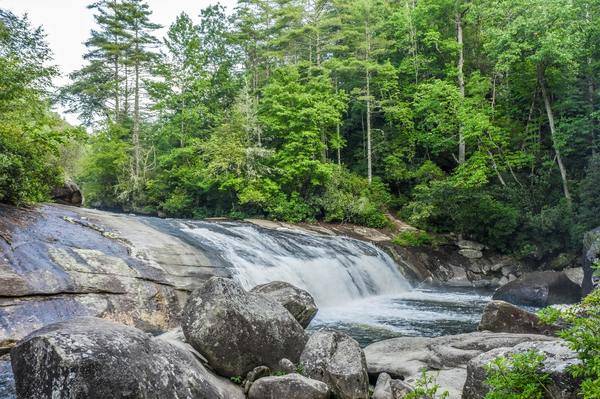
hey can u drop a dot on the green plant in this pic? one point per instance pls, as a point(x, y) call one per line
point(583, 336)
point(426, 387)
point(300, 369)
point(236, 379)
point(416, 238)
point(517, 377)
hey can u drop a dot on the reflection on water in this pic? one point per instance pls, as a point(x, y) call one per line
point(419, 312)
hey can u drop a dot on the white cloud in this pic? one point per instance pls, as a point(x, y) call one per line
point(68, 24)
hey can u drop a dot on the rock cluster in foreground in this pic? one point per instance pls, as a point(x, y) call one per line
point(252, 338)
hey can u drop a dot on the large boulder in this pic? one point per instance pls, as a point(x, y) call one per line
point(290, 386)
point(336, 359)
point(7, 379)
point(443, 358)
point(539, 289)
point(238, 330)
point(297, 301)
point(557, 359)
point(591, 254)
point(500, 316)
point(68, 194)
point(89, 358)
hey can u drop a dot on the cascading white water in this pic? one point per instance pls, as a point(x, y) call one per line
point(335, 270)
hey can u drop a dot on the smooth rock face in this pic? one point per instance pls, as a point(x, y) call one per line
point(62, 262)
point(337, 360)
point(297, 301)
point(470, 253)
point(558, 357)
point(238, 330)
point(91, 358)
point(539, 289)
point(500, 316)
point(290, 386)
point(444, 358)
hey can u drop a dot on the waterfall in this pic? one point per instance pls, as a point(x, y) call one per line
point(333, 269)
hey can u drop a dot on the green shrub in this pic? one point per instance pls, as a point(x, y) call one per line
point(517, 377)
point(416, 238)
point(426, 387)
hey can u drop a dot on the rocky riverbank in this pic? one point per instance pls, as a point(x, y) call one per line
point(59, 264)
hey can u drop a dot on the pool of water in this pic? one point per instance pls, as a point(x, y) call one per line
point(418, 312)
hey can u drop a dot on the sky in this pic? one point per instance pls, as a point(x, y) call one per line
point(67, 24)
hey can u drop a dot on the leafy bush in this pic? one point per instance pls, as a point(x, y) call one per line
point(583, 336)
point(517, 377)
point(413, 239)
point(426, 387)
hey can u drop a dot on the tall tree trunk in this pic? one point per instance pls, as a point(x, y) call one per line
point(136, 115)
point(117, 94)
point(591, 94)
point(561, 166)
point(461, 84)
point(369, 166)
point(339, 147)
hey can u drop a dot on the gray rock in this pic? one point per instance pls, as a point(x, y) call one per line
point(503, 281)
point(591, 254)
point(444, 358)
point(297, 301)
point(471, 253)
point(257, 373)
point(575, 274)
point(93, 358)
point(290, 386)
point(7, 379)
point(337, 360)
point(388, 388)
point(238, 330)
point(68, 194)
point(500, 316)
point(558, 358)
point(466, 244)
point(539, 289)
point(286, 366)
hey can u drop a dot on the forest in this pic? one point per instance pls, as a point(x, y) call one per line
point(477, 117)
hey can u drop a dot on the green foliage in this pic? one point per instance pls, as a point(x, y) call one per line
point(517, 377)
point(583, 336)
point(236, 379)
point(416, 238)
point(31, 136)
point(426, 387)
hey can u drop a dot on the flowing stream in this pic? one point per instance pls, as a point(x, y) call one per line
point(357, 287)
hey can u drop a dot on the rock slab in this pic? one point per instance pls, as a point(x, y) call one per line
point(92, 358)
point(290, 386)
point(539, 289)
point(297, 301)
point(337, 360)
point(236, 330)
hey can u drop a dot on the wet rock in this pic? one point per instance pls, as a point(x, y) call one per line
point(388, 388)
point(444, 358)
point(500, 316)
point(93, 358)
point(68, 194)
point(557, 359)
point(337, 360)
point(7, 379)
point(539, 289)
point(297, 301)
point(290, 386)
point(238, 330)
